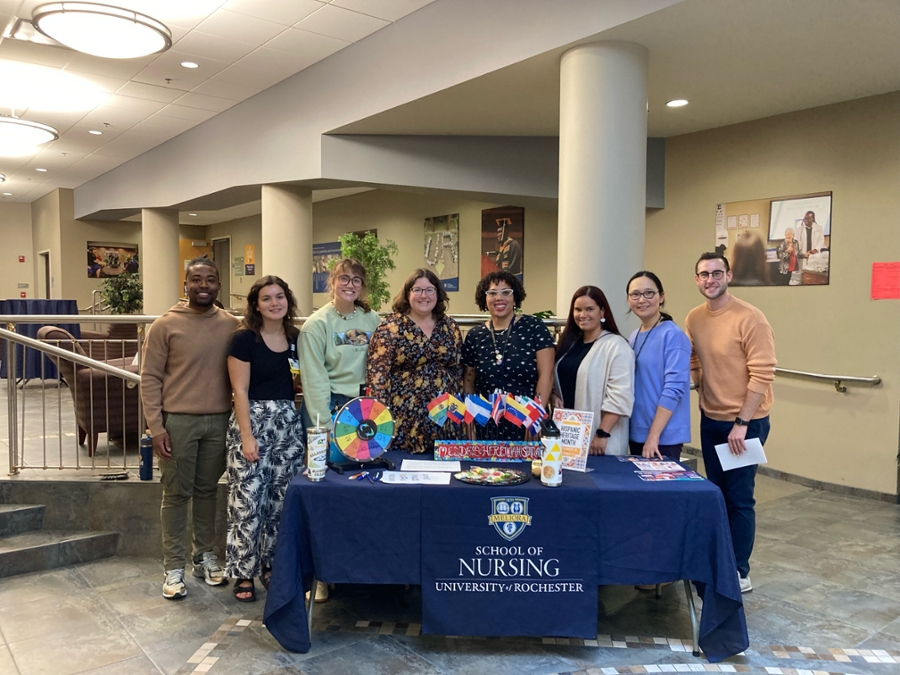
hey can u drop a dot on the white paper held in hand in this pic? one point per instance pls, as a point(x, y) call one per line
point(754, 454)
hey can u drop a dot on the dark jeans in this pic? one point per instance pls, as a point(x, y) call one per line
point(667, 451)
point(736, 485)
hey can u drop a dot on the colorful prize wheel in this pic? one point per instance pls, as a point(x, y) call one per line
point(363, 429)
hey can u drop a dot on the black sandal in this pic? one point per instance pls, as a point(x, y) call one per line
point(244, 586)
point(266, 577)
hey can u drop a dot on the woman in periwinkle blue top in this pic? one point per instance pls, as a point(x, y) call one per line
point(661, 419)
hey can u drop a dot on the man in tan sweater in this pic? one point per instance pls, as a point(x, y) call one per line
point(733, 364)
point(187, 400)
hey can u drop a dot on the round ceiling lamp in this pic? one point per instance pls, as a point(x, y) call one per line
point(17, 135)
point(102, 30)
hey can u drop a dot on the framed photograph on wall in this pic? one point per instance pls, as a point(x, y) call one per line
point(442, 249)
point(111, 260)
point(503, 240)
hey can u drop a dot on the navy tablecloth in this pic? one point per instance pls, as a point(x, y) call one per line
point(354, 532)
point(28, 361)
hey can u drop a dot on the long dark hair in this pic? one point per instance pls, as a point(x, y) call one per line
point(659, 288)
point(253, 319)
point(748, 261)
point(572, 333)
point(401, 300)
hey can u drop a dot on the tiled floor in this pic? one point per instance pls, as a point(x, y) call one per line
point(826, 599)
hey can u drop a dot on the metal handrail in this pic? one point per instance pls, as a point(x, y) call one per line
point(837, 380)
point(131, 379)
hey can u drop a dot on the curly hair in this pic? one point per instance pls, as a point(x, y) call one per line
point(353, 266)
point(401, 300)
point(253, 319)
point(511, 280)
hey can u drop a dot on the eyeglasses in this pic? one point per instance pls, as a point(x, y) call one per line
point(648, 295)
point(503, 293)
point(429, 291)
point(716, 274)
point(346, 280)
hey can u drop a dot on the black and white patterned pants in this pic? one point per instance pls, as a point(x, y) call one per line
point(256, 489)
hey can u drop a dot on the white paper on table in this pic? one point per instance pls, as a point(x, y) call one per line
point(415, 478)
point(754, 454)
point(430, 465)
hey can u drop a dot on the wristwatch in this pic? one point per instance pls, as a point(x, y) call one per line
point(601, 434)
point(739, 422)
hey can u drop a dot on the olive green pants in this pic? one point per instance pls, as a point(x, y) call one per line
point(190, 479)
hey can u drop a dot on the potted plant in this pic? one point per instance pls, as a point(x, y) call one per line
point(377, 260)
point(124, 293)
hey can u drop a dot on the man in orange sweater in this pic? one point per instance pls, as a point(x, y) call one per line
point(733, 364)
point(187, 399)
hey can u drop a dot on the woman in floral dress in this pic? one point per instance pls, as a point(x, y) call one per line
point(414, 355)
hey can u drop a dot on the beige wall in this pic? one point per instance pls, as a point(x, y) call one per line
point(15, 233)
point(242, 231)
point(400, 217)
point(45, 234)
point(852, 149)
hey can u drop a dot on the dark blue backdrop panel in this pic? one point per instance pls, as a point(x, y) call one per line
point(28, 361)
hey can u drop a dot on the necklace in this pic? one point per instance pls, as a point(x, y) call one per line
point(644, 343)
point(345, 318)
point(507, 332)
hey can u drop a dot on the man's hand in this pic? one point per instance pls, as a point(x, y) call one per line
point(162, 446)
point(736, 440)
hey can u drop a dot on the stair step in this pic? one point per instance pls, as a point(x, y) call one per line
point(19, 518)
point(49, 549)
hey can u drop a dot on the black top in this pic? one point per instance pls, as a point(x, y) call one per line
point(270, 372)
point(567, 371)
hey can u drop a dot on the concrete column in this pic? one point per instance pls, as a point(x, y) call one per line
point(602, 170)
point(287, 239)
point(162, 272)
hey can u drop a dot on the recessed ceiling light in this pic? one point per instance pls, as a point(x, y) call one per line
point(192, 214)
point(189, 64)
point(95, 132)
point(7, 194)
point(677, 103)
point(102, 30)
point(41, 170)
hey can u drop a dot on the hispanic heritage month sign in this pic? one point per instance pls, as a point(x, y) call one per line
point(511, 561)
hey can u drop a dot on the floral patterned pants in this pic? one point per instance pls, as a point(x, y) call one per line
point(256, 489)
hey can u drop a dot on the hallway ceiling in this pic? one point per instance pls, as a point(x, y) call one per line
point(241, 47)
point(733, 60)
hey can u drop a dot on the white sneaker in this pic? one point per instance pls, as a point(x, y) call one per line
point(173, 586)
point(321, 592)
point(209, 570)
point(745, 583)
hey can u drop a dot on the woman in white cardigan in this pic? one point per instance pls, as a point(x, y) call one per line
point(595, 370)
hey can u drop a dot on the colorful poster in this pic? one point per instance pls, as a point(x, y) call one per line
point(783, 241)
point(323, 255)
point(503, 240)
point(442, 249)
point(575, 430)
point(111, 260)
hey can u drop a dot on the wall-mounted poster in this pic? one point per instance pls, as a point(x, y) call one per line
point(442, 249)
point(111, 260)
point(786, 241)
point(502, 239)
point(323, 255)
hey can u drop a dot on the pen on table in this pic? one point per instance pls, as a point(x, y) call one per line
point(358, 476)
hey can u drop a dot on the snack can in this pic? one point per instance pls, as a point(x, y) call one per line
point(551, 455)
point(316, 453)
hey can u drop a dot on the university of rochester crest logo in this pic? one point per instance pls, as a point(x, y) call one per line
point(509, 516)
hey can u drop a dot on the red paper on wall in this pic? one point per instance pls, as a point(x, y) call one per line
point(886, 281)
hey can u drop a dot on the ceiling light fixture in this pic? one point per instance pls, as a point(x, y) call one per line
point(95, 132)
point(189, 64)
point(677, 103)
point(192, 214)
point(102, 30)
point(41, 170)
point(7, 194)
point(18, 135)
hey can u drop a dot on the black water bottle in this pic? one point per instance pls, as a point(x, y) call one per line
point(146, 470)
